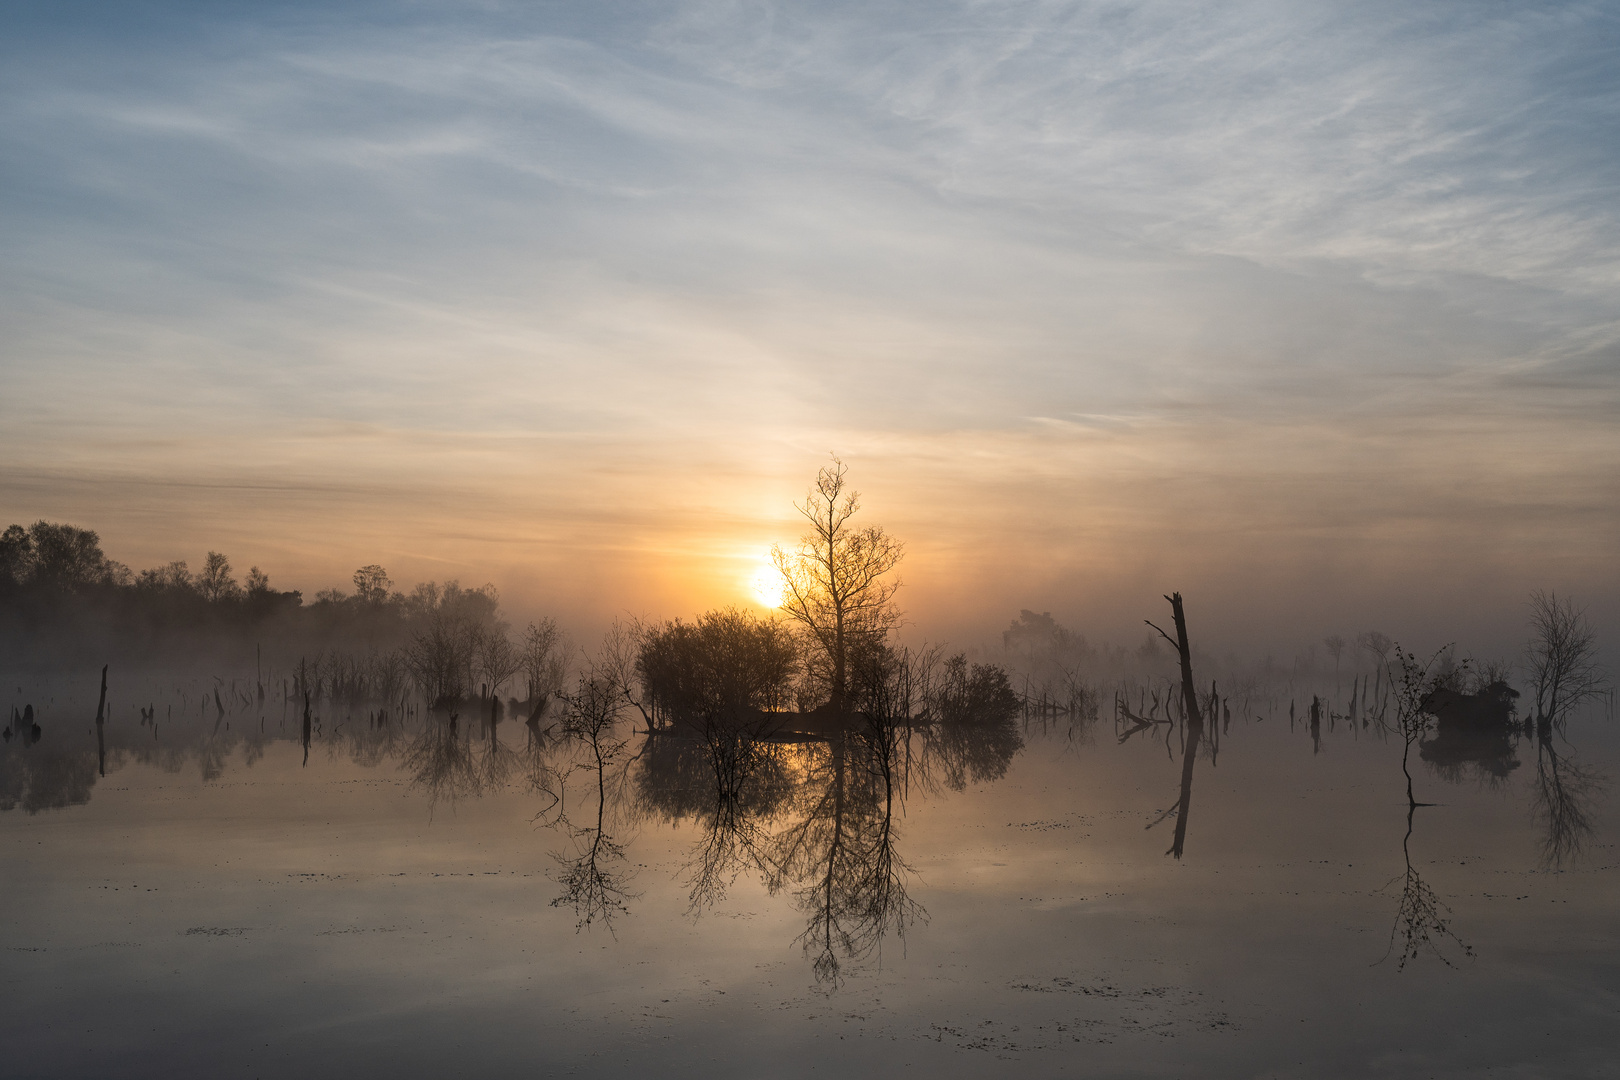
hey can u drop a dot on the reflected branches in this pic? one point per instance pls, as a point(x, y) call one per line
point(749, 783)
point(839, 858)
point(440, 760)
point(595, 878)
point(1564, 797)
point(1422, 921)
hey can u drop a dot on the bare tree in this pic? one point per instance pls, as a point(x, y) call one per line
point(1335, 647)
point(371, 584)
point(1562, 657)
point(541, 656)
point(1378, 644)
point(1422, 921)
point(834, 580)
point(1491, 672)
point(440, 658)
point(497, 660)
point(1412, 682)
point(215, 582)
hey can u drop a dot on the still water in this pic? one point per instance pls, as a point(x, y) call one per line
point(410, 896)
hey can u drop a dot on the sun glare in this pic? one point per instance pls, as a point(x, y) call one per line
point(767, 585)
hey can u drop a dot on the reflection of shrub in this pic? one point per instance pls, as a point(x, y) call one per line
point(45, 776)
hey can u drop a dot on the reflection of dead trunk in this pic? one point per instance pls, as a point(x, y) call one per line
point(306, 727)
point(1194, 719)
point(101, 723)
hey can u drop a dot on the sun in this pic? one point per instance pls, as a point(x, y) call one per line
point(767, 585)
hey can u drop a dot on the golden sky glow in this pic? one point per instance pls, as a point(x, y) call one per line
point(1310, 319)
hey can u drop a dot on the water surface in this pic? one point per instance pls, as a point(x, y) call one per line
point(984, 898)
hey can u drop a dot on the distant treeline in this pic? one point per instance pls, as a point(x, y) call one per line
point(62, 600)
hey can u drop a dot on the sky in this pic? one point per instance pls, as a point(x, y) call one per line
point(1310, 311)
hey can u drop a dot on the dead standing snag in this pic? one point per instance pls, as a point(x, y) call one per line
point(1195, 719)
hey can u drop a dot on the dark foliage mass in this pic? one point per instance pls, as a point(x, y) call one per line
point(63, 601)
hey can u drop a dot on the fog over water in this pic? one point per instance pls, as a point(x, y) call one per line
point(408, 892)
point(407, 835)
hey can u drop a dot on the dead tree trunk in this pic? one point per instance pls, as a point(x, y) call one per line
point(1194, 718)
point(101, 724)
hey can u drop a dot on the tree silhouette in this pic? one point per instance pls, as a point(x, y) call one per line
point(214, 582)
point(1562, 657)
point(834, 580)
point(1412, 681)
point(371, 584)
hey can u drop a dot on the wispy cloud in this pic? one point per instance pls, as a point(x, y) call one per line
point(726, 237)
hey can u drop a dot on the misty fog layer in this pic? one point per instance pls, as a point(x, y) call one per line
point(694, 829)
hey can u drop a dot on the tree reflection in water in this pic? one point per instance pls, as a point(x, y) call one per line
point(1422, 921)
point(1193, 722)
point(839, 856)
point(381, 739)
point(811, 812)
point(810, 801)
point(750, 781)
point(1454, 752)
point(1564, 796)
point(1479, 733)
point(38, 774)
point(971, 731)
point(440, 760)
point(594, 881)
point(594, 877)
point(499, 762)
